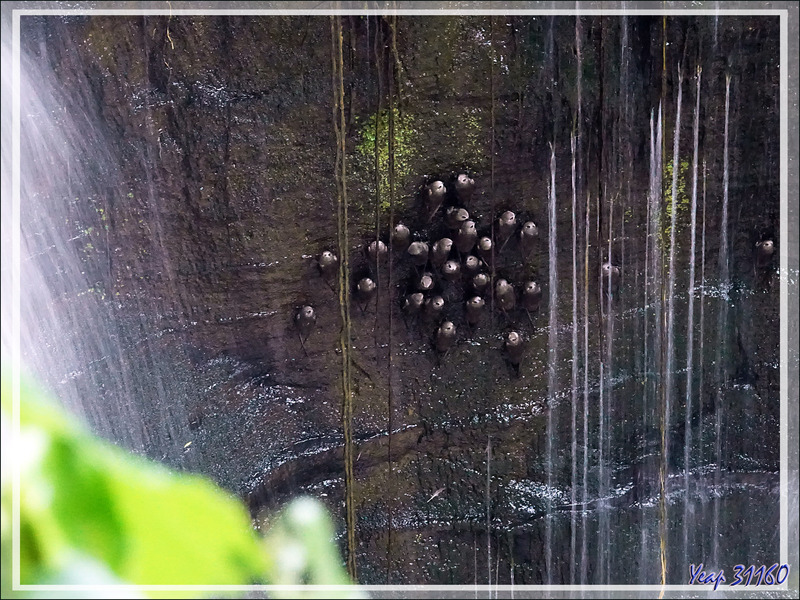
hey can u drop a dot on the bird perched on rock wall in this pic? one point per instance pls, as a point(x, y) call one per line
point(454, 217)
point(425, 282)
point(504, 295)
point(465, 187)
point(527, 239)
point(304, 320)
point(531, 296)
point(401, 237)
point(433, 307)
point(485, 250)
point(440, 251)
point(472, 264)
point(445, 336)
point(413, 303)
point(609, 279)
point(451, 270)
point(480, 282)
point(474, 309)
point(506, 224)
point(466, 237)
point(328, 266)
point(434, 195)
point(418, 251)
point(365, 290)
point(376, 250)
point(765, 250)
point(514, 349)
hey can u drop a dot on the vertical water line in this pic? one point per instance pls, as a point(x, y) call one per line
point(687, 526)
point(574, 380)
point(488, 509)
point(491, 186)
point(607, 381)
point(660, 325)
point(552, 354)
point(602, 168)
point(585, 482)
point(667, 391)
point(700, 459)
point(575, 152)
point(378, 177)
point(390, 383)
point(652, 299)
point(625, 132)
point(645, 375)
point(721, 374)
point(489, 441)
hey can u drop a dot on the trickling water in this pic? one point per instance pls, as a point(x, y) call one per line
point(552, 356)
point(574, 380)
point(687, 446)
point(606, 405)
point(73, 335)
point(701, 348)
point(722, 328)
point(668, 372)
point(585, 481)
point(652, 339)
point(552, 333)
point(575, 146)
point(489, 509)
point(601, 480)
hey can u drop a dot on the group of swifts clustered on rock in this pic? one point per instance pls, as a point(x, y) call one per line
point(455, 268)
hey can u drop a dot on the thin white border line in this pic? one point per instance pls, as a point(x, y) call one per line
point(784, 291)
point(410, 587)
point(406, 12)
point(15, 299)
point(15, 286)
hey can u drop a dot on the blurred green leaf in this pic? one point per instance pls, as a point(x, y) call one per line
point(91, 513)
point(146, 523)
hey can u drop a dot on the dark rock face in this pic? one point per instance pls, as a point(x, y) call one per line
point(180, 231)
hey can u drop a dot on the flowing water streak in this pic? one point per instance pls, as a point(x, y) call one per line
point(701, 383)
point(390, 386)
point(584, 484)
point(552, 343)
point(605, 430)
point(721, 376)
point(651, 339)
point(62, 289)
point(670, 359)
point(376, 330)
point(645, 362)
point(489, 441)
point(574, 381)
point(602, 514)
point(628, 330)
point(574, 146)
point(690, 327)
point(488, 508)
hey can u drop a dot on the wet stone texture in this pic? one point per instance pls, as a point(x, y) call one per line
point(181, 177)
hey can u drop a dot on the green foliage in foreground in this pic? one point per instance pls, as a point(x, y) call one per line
point(90, 513)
